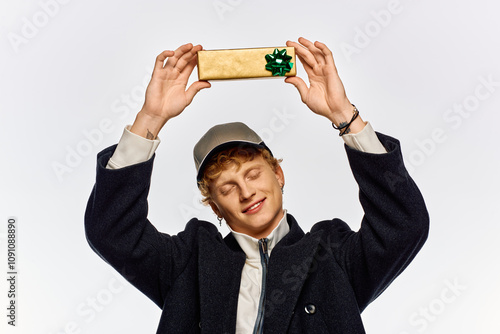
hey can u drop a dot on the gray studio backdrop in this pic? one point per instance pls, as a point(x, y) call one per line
point(73, 74)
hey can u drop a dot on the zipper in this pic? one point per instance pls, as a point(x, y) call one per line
point(264, 260)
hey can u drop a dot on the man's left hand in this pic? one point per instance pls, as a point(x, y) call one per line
point(325, 95)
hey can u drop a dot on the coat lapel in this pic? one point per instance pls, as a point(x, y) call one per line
point(289, 265)
point(220, 265)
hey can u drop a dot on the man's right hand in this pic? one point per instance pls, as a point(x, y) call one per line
point(166, 95)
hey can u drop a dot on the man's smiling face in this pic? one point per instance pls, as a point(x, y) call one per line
point(249, 198)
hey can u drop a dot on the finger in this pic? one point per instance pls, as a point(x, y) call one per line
point(186, 59)
point(195, 88)
point(309, 70)
point(317, 53)
point(326, 52)
point(300, 85)
point(160, 59)
point(304, 54)
point(305, 64)
point(188, 69)
point(304, 41)
point(178, 53)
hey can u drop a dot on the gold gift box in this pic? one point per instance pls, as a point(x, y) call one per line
point(238, 63)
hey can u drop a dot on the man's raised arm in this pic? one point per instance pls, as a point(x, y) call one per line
point(116, 223)
point(396, 222)
point(166, 98)
point(326, 96)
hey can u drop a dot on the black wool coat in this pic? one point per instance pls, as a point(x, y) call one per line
point(317, 282)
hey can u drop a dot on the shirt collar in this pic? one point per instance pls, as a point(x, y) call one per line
point(250, 245)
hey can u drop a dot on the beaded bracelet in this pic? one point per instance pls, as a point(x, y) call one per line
point(344, 128)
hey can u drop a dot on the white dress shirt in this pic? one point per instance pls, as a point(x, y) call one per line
point(251, 275)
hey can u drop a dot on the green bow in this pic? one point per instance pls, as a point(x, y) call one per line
point(278, 62)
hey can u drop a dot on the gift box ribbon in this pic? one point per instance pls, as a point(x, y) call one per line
point(278, 62)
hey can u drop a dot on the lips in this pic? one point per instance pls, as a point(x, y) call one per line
point(254, 207)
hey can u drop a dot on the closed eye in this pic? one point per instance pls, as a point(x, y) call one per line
point(253, 174)
point(226, 189)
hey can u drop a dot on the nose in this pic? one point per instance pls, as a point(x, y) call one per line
point(246, 191)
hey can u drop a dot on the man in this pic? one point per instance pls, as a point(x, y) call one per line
point(266, 276)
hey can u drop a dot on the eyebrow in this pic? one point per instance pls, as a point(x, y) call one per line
point(255, 165)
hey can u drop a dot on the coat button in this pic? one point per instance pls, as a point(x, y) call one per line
point(310, 309)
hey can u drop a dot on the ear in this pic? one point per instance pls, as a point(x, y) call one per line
point(280, 176)
point(215, 208)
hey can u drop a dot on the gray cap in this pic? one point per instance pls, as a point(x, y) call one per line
point(221, 137)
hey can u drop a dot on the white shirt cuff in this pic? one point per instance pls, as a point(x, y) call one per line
point(365, 141)
point(132, 149)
